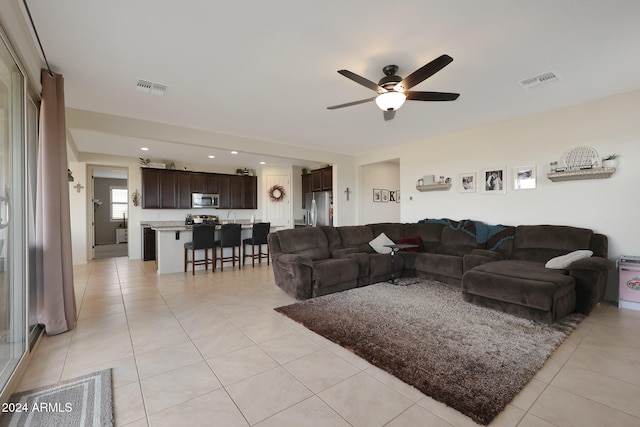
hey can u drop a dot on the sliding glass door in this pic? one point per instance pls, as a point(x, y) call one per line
point(12, 215)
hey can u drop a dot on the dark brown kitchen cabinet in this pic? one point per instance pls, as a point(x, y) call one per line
point(171, 189)
point(211, 183)
point(327, 178)
point(224, 189)
point(150, 188)
point(161, 189)
point(250, 192)
point(202, 182)
point(183, 181)
point(321, 180)
point(168, 189)
point(316, 180)
point(199, 182)
point(306, 187)
point(148, 244)
point(237, 189)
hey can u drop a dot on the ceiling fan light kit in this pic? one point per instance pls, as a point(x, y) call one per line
point(390, 101)
point(393, 90)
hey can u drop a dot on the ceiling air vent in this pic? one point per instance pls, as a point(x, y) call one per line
point(151, 87)
point(539, 80)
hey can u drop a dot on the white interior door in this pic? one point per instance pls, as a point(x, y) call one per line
point(279, 213)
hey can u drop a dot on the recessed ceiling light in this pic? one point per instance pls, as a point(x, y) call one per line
point(234, 152)
point(144, 149)
point(263, 163)
point(212, 157)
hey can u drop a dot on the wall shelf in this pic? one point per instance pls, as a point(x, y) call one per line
point(595, 173)
point(434, 187)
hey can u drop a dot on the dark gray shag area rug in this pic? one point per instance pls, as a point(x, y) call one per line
point(83, 401)
point(471, 358)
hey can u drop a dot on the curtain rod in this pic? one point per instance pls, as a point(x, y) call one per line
point(37, 37)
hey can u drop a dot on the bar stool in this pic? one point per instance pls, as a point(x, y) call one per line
point(258, 238)
point(230, 237)
point(202, 239)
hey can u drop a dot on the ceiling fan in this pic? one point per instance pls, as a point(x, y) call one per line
point(393, 90)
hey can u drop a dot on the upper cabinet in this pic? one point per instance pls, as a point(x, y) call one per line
point(322, 179)
point(171, 189)
point(316, 180)
point(151, 188)
point(327, 178)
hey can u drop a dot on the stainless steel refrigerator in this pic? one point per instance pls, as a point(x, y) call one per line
point(319, 207)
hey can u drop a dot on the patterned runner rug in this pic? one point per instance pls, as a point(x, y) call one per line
point(82, 401)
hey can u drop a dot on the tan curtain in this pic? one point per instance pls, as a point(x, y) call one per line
point(54, 265)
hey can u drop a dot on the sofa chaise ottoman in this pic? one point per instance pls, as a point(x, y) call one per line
point(523, 289)
point(522, 282)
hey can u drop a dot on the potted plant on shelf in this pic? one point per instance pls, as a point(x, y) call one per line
point(611, 161)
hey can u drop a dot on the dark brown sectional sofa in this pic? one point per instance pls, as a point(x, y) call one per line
point(502, 267)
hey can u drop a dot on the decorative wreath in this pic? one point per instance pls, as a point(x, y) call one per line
point(276, 193)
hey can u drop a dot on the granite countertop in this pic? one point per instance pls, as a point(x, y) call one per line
point(181, 226)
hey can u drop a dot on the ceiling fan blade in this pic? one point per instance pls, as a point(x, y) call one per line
point(361, 80)
point(389, 115)
point(424, 72)
point(432, 96)
point(349, 104)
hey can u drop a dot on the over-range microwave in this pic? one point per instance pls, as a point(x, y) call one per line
point(200, 200)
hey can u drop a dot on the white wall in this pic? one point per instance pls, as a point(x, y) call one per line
point(383, 175)
point(78, 213)
point(608, 206)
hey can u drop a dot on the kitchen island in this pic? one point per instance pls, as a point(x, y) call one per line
point(170, 240)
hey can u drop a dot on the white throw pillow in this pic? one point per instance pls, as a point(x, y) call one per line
point(564, 261)
point(378, 244)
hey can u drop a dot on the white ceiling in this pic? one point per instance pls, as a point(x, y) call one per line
point(266, 70)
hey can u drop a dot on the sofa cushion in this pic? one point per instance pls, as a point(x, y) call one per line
point(502, 241)
point(563, 261)
point(380, 267)
point(309, 241)
point(411, 240)
point(356, 237)
point(394, 231)
point(334, 275)
point(430, 234)
point(438, 265)
point(455, 242)
point(380, 244)
point(540, 243)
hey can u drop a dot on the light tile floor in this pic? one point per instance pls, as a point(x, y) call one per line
point(208, 350)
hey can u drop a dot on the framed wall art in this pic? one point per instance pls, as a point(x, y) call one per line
point(524, 177)
point(468, 182)
point(376, 195)
point(385, 195)
point(494, 181)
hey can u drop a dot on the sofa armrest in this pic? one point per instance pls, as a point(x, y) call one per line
point(591, 263)
point(293, 259)
point(294, 274)
point(478, 257)
point(590, 275)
